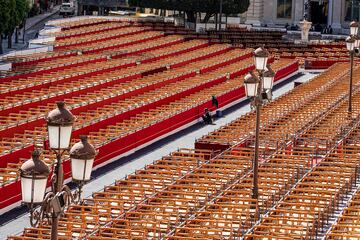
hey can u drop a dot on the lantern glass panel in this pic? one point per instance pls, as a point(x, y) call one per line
point(78, 166)
point(354, 30)
point(350, 46)
point(251, 89)
point(37, 185)
point(268, 82)
point(64, 132)
point(260, 63)
point(357, 43)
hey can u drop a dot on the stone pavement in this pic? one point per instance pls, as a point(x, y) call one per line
point(30, 24)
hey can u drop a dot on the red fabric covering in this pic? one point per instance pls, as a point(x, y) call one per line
point(319, 64)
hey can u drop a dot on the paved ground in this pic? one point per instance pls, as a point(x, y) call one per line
point(33, 26)
point(14, 222)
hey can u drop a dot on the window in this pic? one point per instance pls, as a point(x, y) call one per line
point(284, 8)
point(352, 10)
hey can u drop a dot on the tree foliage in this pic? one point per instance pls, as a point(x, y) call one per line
point(4, 16)
point(205, 6)
point(12, 14)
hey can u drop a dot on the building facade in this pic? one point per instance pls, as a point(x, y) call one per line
point(334, 13)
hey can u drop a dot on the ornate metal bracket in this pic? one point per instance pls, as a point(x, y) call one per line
point(54, 203)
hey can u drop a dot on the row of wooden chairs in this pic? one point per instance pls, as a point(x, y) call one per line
point(98, 37)
point(106, 44)
point(111, 76)
point(175, 201)
point(232, 211)
point(238, 130)
point(276, 177)
point(113, 43)
point(305, 212)
point(125, 194)
point(72, 71)
point(80, 23)
point(54, 76)
point(105, 26)
point(89, 117)
point(141, 50)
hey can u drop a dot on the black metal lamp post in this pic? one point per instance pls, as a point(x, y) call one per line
point(352, 45)
point(259, 89)
point(34, 172)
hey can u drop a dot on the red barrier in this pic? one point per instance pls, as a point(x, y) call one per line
point(320, 64)
point(281, 73)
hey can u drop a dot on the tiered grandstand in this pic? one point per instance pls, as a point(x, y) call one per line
point(133, 88)
point(129, 84)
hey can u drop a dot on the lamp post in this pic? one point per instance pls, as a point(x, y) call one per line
point(34, 172)
point(352, 45)
point(259, 89)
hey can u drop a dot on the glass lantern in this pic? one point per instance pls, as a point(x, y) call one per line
point(268, 78)
point(350, 44)
point(59, 123)
point(251, 83)
point(261, 56)
point(82, 156)
point(33, 174)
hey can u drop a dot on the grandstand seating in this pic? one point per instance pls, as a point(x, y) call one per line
point(229, 212)
point(143, 80)
point(277, 111)
point(309, 143)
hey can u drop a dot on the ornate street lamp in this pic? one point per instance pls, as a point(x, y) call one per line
point(352, 45)
point(258, 88)
point(34, 172)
